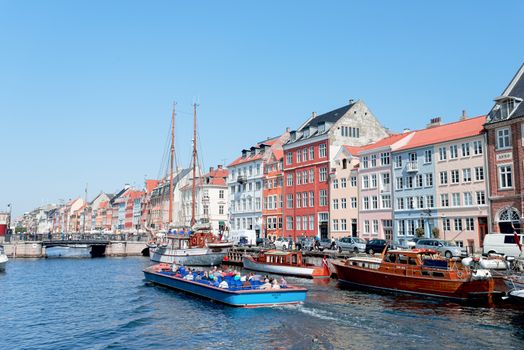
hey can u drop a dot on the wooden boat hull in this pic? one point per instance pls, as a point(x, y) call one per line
point(428, 286)
point(308, 272)
point(240, 298)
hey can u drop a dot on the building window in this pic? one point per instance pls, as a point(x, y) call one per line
point(374, 202)
point(335, 224)
point(353, 202)
point(335, 204)
point(304, 199)
point(323, 198)
point(444, 200)
point(429, 179)
point(479, 173)
point(299, 222)
point(221, 209)
point(322, 150)
point(289, 203)
point(477, 147)
point(374, 181)
point(400, 203)
point(398, 161)
point(446, 224)
point(311, 153)
point(335, 184)
point(465, 150)
point(468, 199)
point(470, 224)
point(289, 222)
point(299, 177)
point(399, 183)
point(443, 177)
point(455, 177)
point(442, 153)
point(343, 203)
point(458, 224)
point(343, 182)
point(481, 198)
point(289, 158)
point(409, 182)
point(311, 176)
point(366, 203)
point(386, 201)
point(384, 158)
point(304, 177)
point(375, 227)
point(428, 156)
point(299, 160)
point(373, 160)
point(299, 202)
point(353, 180)
point(503, 138)
point(455, 199)
point(322, 174)
point(289, 180)
point(304, 154)
point(221, 194)
point(401, 227)
point(505, 177)
point(311, 199)
point(365, 181)
point(453, 152)
point(420, 202)
point(343, 224)
point(429, 201)
point(466, 175)
point(365, 162)
point(311, 222)
point(420, 180)
point(411, 203)
point(366, 227)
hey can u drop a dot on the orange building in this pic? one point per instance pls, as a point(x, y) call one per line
point(273, 195)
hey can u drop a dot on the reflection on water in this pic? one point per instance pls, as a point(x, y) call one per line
point(105, 303)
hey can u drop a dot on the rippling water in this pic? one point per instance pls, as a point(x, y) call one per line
point(105, 304)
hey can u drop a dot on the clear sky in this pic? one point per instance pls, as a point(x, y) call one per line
point(86, 87)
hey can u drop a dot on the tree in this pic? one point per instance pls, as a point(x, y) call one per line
point(436, 232)
point(419, 232)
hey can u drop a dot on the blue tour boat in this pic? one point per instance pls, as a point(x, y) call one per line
point(235, 295)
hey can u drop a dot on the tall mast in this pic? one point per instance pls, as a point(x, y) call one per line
point(85, 207)
point(193, 190)
point(171, 165)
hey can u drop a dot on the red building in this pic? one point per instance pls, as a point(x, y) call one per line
point(273, 195)
point(505, 133)
point(307, 164)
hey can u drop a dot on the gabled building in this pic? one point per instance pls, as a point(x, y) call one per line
point(273, 195)
point(344, 193)
point(505, 140)
point(308, 157)
point(440, 183)
point(375, 177)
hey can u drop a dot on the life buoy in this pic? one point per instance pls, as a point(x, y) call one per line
point(459, 274)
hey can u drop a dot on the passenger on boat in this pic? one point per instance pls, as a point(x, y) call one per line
point(266, 284)
point(237, 276)
point(174, 267)
point(275, 284)
point(283, 282)
point(223, 285)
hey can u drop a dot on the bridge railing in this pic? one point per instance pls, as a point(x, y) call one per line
point(74, 237)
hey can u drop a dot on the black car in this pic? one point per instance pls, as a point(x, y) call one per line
point(375, 246)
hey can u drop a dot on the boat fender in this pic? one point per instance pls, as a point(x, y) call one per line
point(467, 261)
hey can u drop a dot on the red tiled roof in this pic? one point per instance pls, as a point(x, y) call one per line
point(103, 205)
point(248, 158)
point(151, 185)
point(386, 141)
point(352, 149)
point(447, 132)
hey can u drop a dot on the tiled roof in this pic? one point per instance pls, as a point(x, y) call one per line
point(514, 89)
point(332, 116)
point(247, 159)
point(386, 141)
point(353, 150)
point(447, 132)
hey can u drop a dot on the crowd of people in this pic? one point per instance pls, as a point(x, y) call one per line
point(227, 277)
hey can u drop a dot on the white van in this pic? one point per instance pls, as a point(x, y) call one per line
point(502, 243)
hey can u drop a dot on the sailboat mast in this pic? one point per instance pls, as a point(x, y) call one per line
point(193, 190)
point(85, 207)
point(171, 165)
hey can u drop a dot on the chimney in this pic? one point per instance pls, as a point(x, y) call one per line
point(313, 114)
point(406, 130)
point(220, 166)
point(244, 153)
point(351, 101)
point(288, 129)
point(464, 115)
point(434, 122)
point(211, 169)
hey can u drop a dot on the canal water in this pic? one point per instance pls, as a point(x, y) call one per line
point(105, 304)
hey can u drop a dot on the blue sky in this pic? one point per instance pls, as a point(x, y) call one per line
point(87, 86)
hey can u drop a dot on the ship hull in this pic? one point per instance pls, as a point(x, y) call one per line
point(308, 272)
point(192, 256)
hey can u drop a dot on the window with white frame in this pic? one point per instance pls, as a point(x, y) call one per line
point(289, 180)
point(365, 162)
point(479, 173)
point(455, 176)
point(289, 203)
point(429, 201)
point(353, 181)
point(323, 198)
point(304, 199)
point(373, 160)
point(503, 138)
point(343, 204)
point(420, 180)
point(465, 149)
point(384, 158)
point(409, 181)
point(420, 202)
point(311, 199)
point(299, 160)
point(289, 158)
point(299, 201)
point(401, 225)
point(477, 147)
point(411, 202)
point(458, 224)
point(429, 179)
point(353, 202)
point(444, 200)
point(365, 203)
point(398, 161)
point(481, 198)
point(322, 174)
point(343, 224)
point(468, 199)
point(299, 178)
point(311, 153)
point(366, 227)
point(442, 153)
point(466, 175)
point(311, 222)
point(335, 184)
point(365, 181)
point(304, 177)
point(443, 177)
point(374, 202)
point(299, 222)
point(411, 227)
point(335, 204)
point(335, 224)
point(373, 180)
point(304, 154)
point(375, 227)
point(311, 176)
point(343, 182)
point(399, 183)
point(470, 224)
point(385, 179)
point(289, 222)
point(322, 150)
point(455, 199)
point(428, 156)
point(446, 224)
point(505, 176)
point(400, 203)
point(304, 222)
point(453, 152)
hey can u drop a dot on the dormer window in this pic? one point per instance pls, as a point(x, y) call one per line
point(321, 127)
point(305, 132)
point(506, 105)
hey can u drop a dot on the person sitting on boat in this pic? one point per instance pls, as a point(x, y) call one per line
point(174, 267)
point(266, 284)
point(219, 273)
point(223, 285)
point(283, 282)
point(243, 278)
point(275, 284)
point(237, 276)
point(189, 276)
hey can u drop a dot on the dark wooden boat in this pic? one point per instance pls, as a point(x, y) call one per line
point(418, 271)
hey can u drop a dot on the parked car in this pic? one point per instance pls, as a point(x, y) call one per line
point(351, 244)
point(282, 243)
point(502, 243)
point(243, 242)
point(327, 243)
point(409, 243)
point(305, 243)
point(375, 246)
point(447, 248)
